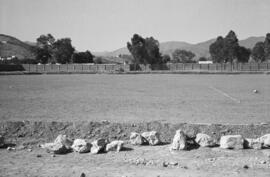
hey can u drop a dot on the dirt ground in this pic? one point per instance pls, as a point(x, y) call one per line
point(142, 161)
point(134, 161)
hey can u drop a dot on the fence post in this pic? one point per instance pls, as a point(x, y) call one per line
point(200, 66)
point(29, 67)
point(58, 67)
point(208, 67)
point(43, 67)
point(267, 66)
point(259, 66)
point(249, 67)
point(67, 67)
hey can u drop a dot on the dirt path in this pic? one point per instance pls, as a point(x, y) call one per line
point(138, 162)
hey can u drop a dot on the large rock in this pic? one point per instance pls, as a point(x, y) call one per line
point(232, 142)
point(116, 145)
point(61, 145)
point(62, 139)
point(153, 137)
point(2, 141)
point(98, 146)
point(137, 139)
point(179, 141)
point(204, 140)
point(81, 146)
point(252, 143)
point(265, 140)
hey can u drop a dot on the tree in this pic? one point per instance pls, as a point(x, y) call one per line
point(63, 50)
point(144, 51)
point(228, 50)
point(82, 57)
point(216, 50)
point(230, 47)
point(44, 51)
point(243, 54)
point(267, 47)
point(258, 52)
point(182, 56)
point(166, 58)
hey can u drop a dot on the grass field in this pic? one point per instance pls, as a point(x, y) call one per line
point(136, 98)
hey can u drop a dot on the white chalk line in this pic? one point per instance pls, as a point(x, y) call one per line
point(225, 94)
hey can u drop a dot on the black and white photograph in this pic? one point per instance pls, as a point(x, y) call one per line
point(134, 88)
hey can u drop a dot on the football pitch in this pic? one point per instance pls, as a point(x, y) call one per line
point(174, 98)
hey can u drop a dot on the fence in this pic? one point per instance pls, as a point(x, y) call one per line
point(75, 68)
point(209, 67)
point(120, 67)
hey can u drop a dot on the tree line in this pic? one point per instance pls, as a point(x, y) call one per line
point(50, 50)
point(147, 51)
point(227, 49)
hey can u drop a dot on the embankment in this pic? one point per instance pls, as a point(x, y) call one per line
point(35, 132)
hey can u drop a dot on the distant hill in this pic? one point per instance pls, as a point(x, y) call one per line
point(200, 49)
point(10, 46)
point(251, 41)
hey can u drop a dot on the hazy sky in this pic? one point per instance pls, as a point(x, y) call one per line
point(99, 25)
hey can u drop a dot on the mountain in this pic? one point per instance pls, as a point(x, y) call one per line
point(10, 46)
point(251, 41)
point(200, 49)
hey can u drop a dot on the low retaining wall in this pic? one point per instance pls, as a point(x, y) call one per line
point(40, 131)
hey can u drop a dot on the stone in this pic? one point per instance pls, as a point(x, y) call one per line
point(265, 140)
point(252, 143)
point(11, 149)
point(137, 139)
point(81, 146)
point(98, 146)
point(153, 137)
point(204, 140)
point(179, 141)
point(2, 141)
point(116, 145)
point(62, 139)
point(61, 145)
point(232, 142)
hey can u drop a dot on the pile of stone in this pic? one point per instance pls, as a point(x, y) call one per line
point(182, 142)
point(63, 145)
point(146, 138)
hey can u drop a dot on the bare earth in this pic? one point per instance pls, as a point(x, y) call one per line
point(138, 162)
point(136, 98)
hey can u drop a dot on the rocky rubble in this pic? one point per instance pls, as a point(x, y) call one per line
point(265, 140)
point(179, 141)
point(116, 145)
point(61, 145)
point(152, 137)
point(232, 142)
point(81, 146)
point(252, 143)
point(204, 140)
point(98, 146)
point(137, 139)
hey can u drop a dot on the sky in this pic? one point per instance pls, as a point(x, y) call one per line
point(106, 25)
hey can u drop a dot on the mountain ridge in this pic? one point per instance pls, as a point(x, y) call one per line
point(200, 49)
